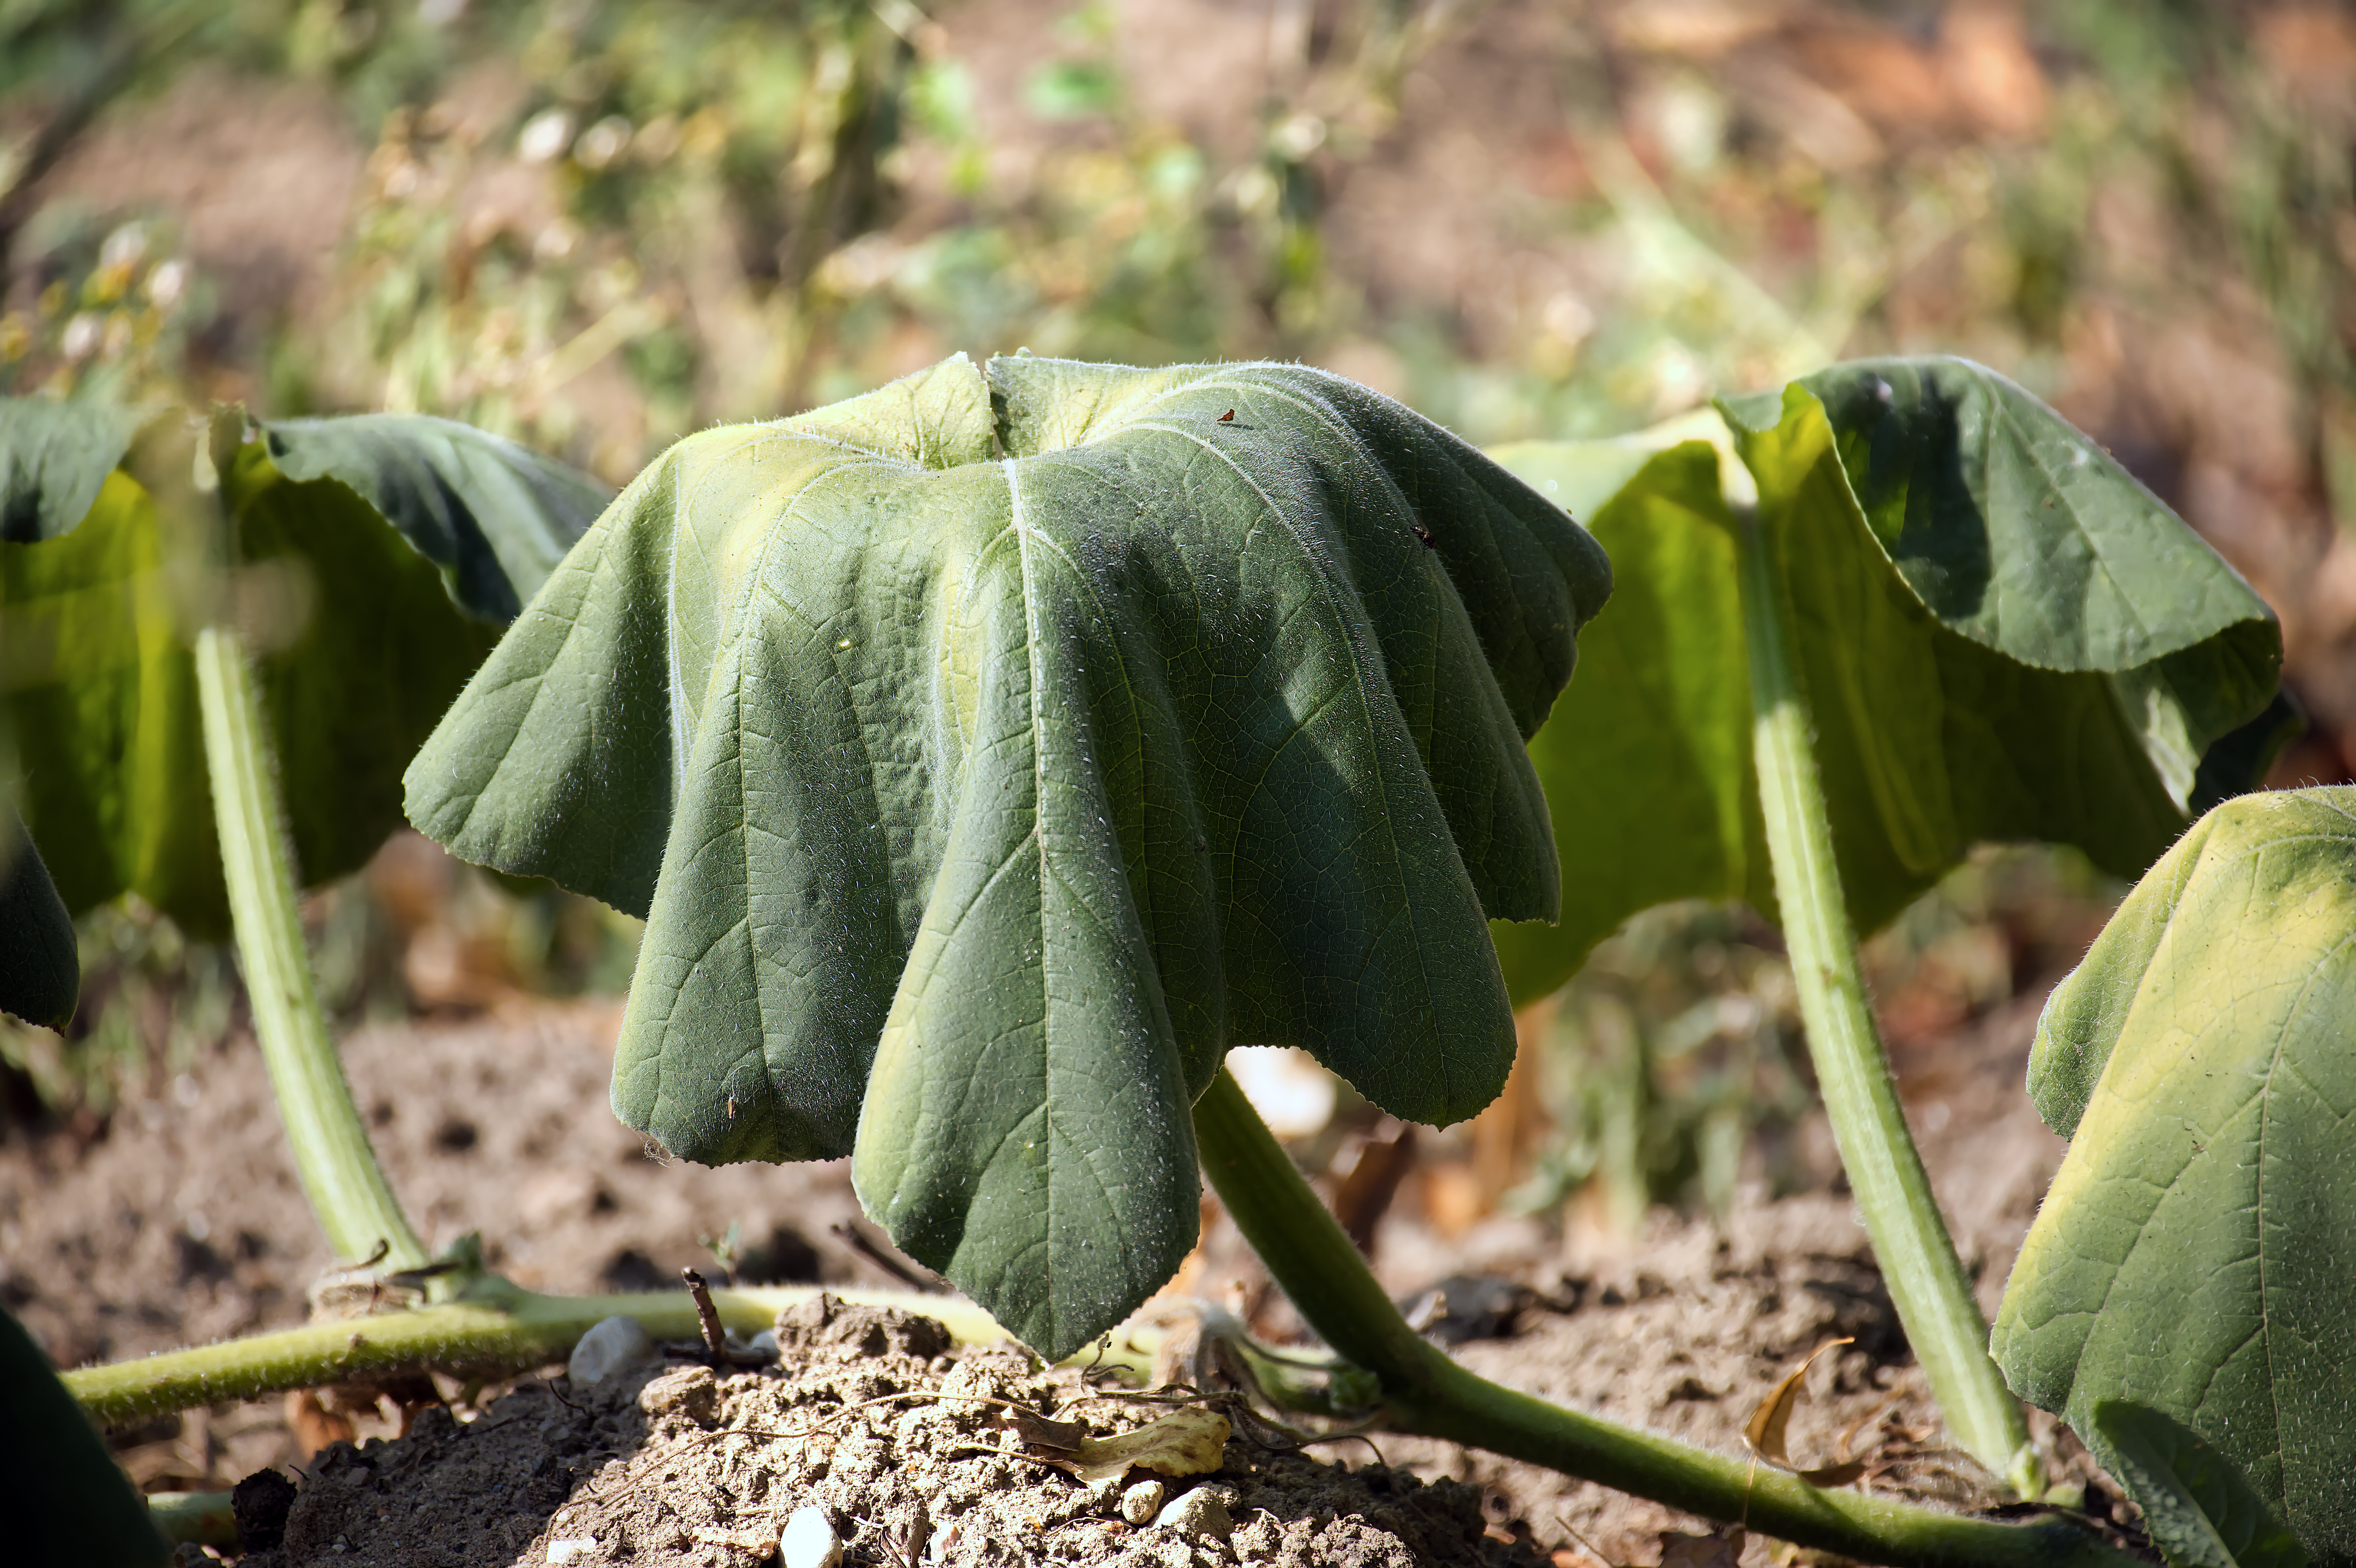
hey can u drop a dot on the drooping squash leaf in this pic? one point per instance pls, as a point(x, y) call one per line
point(2202, 1511)
point(40, 973)
point(2003, 636)
point(496, 516)
point(71, 1504)
point(2194, 1251)
point(364, 632)
point(989, 754)
point(53, 457)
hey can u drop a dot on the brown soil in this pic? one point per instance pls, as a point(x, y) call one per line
point(184, 1223)
point(692, 1469)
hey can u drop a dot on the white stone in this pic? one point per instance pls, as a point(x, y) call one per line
point(1200, 1512)
point(565, 1550)
point(1141, 1502)
point(809, 1539)
point(606, 1349)
point(766, 1341)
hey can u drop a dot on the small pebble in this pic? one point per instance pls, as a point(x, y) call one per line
point(690, 1391)
point(809, 1539)
point(766, 1341)
point(1141, 1502)
point(615, 1343)
point(565, 1550)
point(1200, 1512)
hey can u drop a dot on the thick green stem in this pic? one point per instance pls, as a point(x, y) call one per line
point(499, 1331)
point(338, 1169)
point(1430, 1395)
point(1926, 1278)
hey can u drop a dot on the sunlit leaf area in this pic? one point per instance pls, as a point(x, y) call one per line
point(1580, 236)
point(598, 227)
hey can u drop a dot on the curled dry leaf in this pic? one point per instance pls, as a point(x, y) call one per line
point(1679, 1550)
point(1764, 1433)
point(1045, 1435)
point(1189, 1441)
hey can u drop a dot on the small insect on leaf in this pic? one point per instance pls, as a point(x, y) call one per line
point(1422, 533)
point(1764, 1433)
point(1227, 418)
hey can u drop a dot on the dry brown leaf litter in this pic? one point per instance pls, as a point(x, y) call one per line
point(692, 1468)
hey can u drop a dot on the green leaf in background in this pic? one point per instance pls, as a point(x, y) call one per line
point(2194, 1251)
point(54, 455)
point(2200, 1511)
point(40, 972)
point(364, 633)
point(71, 1504)
point(978, 806)
point(496, 516)
point(2003, 636)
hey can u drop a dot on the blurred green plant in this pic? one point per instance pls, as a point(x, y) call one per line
point(1669, 1054)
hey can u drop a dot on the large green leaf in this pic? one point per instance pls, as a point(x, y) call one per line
point(40, 973)
point(2194, 1253)
point(2202, 1512)
point(68, 1504)
point(54, 455)
point(364, 633)
point(989, 755)
point(2003, 636)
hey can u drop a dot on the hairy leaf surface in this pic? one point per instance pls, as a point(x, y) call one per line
point(2194, 1251)
point(2201, 1512)
point(2003, 636)
point(989, 755)
point(364, 632)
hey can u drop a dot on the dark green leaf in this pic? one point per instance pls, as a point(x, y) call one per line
point(1030, 787)
point(2202, 1512)
point(53, 457)
point(69, 1504)
point(496, 516)
point(361, 642)
point(40, 973)
point(2003, 638)
point(2194, 1251)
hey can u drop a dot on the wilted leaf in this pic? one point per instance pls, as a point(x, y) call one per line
point(2202, 1511)
point(2003, 636)
point(1043, 1434)
point(54, 455)
point(1765, 1433)
point(72, 1506)
point(978, 806)
point(40, 973)
point(1188, 1442)
point(2193, 1253)
point(361, 642)
point(496, 516)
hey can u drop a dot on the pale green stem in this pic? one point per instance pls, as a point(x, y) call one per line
point(1427, 1393)
point(338, 1169)
point(1917, 1256)
point(498, 1330)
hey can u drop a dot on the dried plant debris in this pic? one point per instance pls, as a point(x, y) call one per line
point(916, 1456)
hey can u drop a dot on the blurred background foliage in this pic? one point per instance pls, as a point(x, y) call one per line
point(596, 225)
